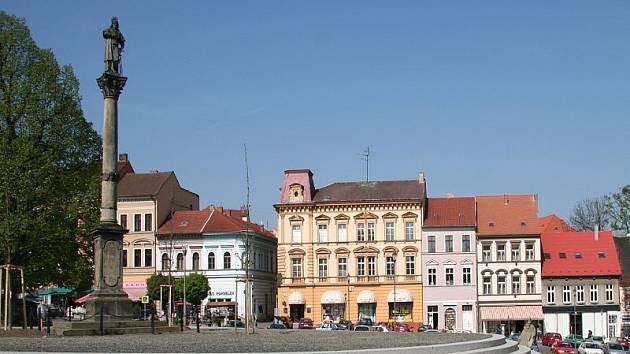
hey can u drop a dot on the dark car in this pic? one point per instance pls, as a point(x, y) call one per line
point(239, 323)
point(424, 328)
point(277, 326)
point(344, 325)
point(366, 322)
point(306, 323)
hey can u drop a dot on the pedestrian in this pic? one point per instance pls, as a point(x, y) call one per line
point(590, 333)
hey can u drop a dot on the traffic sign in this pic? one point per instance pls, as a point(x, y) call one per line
point(145, 299)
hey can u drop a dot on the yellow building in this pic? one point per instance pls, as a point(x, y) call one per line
point(350, 250)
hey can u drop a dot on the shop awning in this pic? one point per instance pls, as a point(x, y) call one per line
point(402, 295)
point(366, 297)
point(135, 294)
point(504, 313)
point(82, 299)
point(296, 298)
point(333, 297)
point(57, 291)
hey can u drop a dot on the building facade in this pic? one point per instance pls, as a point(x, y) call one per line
point(449, 264)
point(622, 243)
point(145, 201)
point(213, 242)
point(508, 263)
point(581, 275)
point(350, 250)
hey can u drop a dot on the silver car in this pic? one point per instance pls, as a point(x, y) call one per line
point(613, 348)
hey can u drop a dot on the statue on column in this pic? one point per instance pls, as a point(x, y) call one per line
point(114, 44)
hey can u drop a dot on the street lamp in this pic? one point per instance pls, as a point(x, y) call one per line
point(574, 315)
point(394, 256)
point(184, 305)
point(348, 297)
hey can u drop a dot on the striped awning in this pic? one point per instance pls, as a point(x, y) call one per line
point(504, 313)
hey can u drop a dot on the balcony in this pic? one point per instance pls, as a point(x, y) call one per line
point(297, 280)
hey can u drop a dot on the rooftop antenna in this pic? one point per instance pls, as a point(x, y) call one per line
point(365, 156)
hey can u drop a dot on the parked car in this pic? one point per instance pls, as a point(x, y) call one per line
point(623, 342)
point(285, 320)
point(590, 348)
point(424, 328)
point(381, 328)
point(431, 331)
point(366, 321)
point(306, 323)
point(575, 338)
point(402, 327)
point(563, 347)
point(613, 348)
point(598, 339)
point(551, 338)
point(277, 326)
point(239, 323)
point(361, 328)
point(344, 325)
point(327, 326)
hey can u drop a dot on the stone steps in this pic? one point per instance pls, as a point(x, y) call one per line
point(88, 328)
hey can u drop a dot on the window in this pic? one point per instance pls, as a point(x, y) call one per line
point(448, 243)
point(485, 255)
point(410, 265)
point(137, 225)
point(466, 307)
point(547, 255)
point(296, 232)
point(529, 252)
point(148, 222)
point(227, 261)
point(322, 232)
point(594, 293)
point(137, 257)
point(449, 276)
point(323, 267)
point(562, 255)
point(516, 283)
point(432, 276)
point(612, 327)
point(409, 231)
point(195, 261)
point(390, 265)
point(578, 255)
point(165, 262)
point(431, 244)
point(466, 276)
point(371, 265)
point(179, 265)
point(360, 232)
point(487, 285)
point(342, 235)
point(601, 254)
point(123, 221)
point(579, 293)
point(609, 293)
point(370, 236)
point(531, 284)
point(465, 243)
point(342, 267)
point(566, 294)
point(296, 267)
point(124, 260)
point(389, 231)
point(551, 294)
point(148, 257)
point(501, 252)
point(211, 260)
point(501, 284)
point(360, 266)
point(516, 252)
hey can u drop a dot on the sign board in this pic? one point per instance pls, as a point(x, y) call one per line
point(145, 299)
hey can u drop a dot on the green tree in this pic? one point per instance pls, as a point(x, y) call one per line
point(619, 209)
point(49, 164)
point(196, 288)
point(153, 286)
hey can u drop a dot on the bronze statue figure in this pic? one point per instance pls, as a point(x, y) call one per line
point(114, 44)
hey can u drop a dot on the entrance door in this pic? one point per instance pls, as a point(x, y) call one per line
point(433, 316)
point(575, 323)
point(467, 318)
point(449, 319)
point(297, 312)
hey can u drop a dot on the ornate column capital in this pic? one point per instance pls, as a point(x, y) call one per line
point(111, 85)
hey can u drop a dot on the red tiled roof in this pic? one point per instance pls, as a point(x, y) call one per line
point(591, 264)
point(373, 190)
point(507, 214)
point(553, 223)
point(210, 220)
point(445, 212)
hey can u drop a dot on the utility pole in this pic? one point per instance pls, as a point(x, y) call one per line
point(365, 156)
point(248, 299)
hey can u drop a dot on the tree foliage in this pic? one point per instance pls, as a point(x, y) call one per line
point(196, 288)
point(153, 286)
point(619, 209)
point(49, 164)
point(588, 213)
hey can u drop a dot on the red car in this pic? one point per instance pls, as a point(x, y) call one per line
point(306, 323)
point(563, 347)
point(551, 338)
point(402, 327)
point(623, 342)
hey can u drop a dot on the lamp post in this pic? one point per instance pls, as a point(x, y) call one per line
point(574, 315)
point(394, 256)
point(184, 305)
point(348, 297)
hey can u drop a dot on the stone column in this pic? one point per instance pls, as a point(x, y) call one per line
point(108, 235)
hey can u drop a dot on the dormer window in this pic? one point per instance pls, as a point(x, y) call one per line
point(578, 255)
point(296, 193)
point(601, 254)
point(491, 224)
point(547, 255)
point(562, 255)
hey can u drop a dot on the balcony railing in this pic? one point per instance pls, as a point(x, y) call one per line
point(374, 279)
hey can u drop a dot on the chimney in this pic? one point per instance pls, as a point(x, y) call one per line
point(450, 195)
point(597, 232)
point(154, 171)
point(123, 158)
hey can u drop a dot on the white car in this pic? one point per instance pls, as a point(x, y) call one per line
point(590, 348)
point(327, 327)
point(380, 328)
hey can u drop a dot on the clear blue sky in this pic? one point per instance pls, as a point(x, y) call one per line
point(484, 97)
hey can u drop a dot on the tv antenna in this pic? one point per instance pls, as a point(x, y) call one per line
point(365, 156)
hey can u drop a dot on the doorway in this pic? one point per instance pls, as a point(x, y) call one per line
point(575, 323)
point(297, 312)
point(433, 316)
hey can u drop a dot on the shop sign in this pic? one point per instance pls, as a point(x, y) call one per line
point(222, 293)
point(625, 318)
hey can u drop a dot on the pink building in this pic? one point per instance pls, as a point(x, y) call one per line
point(449, 266)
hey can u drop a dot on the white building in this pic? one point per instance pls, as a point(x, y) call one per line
point(213, 242)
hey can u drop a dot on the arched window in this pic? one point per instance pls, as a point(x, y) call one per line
point(165, 261)
point(180, 261)
point(211, 260)
point(195, 261)
point(227, 260)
